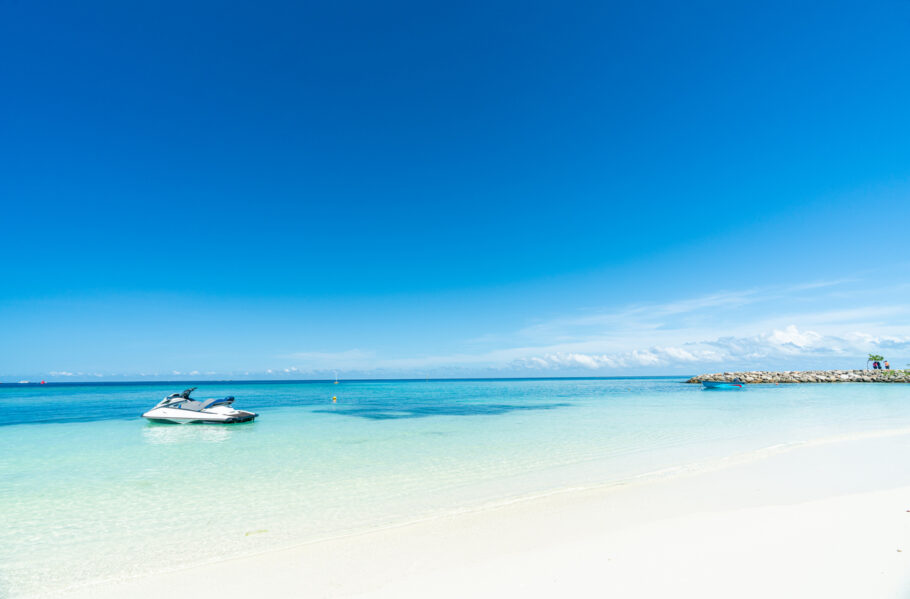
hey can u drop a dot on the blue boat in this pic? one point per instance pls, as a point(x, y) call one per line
point(725, 385)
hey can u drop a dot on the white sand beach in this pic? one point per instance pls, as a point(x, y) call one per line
point(822, 520)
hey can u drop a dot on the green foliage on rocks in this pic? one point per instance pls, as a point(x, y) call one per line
point(874, 358)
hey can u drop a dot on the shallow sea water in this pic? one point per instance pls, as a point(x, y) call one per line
point(90, 491)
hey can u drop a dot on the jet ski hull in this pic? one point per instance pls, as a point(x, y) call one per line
point(178, 416)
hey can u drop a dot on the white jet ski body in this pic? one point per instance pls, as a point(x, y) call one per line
point(179, 408)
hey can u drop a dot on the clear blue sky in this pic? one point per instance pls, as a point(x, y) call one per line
point(411, 189)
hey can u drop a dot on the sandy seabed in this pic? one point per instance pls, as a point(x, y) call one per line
point(821, 520)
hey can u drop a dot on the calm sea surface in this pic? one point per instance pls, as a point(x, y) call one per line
point(91, 491)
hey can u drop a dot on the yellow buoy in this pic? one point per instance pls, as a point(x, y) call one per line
point(334, 399)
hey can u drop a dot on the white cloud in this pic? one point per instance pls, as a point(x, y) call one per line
point(788, 346)
point(759, 328)
point(828, 324)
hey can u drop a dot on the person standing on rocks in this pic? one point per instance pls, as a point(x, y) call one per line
point(887, 366)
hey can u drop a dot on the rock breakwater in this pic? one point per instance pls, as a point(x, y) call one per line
point(809, 376)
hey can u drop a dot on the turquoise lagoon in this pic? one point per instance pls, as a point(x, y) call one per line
point(90, 491)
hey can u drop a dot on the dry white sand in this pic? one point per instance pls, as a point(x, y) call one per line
point(828, 520)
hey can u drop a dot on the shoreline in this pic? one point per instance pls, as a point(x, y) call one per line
point(617, 517)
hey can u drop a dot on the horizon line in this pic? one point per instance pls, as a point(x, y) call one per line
point(367, 380)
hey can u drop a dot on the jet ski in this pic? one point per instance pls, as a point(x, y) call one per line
point(180, 408)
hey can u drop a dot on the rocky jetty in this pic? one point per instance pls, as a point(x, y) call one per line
point(809, 376)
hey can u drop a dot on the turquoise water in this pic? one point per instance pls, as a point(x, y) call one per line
point(91, 491)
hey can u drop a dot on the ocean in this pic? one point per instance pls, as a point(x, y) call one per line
point(91, 491)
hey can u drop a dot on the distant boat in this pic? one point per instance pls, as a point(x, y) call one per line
point(24, 382)
point(726, 385)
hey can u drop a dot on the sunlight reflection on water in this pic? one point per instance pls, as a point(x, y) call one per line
point(170, 434)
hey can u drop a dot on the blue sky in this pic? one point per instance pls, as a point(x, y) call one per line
point(471, 189)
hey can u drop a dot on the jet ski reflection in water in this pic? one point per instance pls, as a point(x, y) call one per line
point(178, 407)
